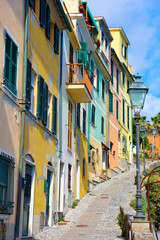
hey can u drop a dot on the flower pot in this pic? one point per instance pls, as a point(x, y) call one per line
point(97, 42)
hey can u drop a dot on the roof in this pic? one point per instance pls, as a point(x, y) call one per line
point(103, 21)
point(121, 31)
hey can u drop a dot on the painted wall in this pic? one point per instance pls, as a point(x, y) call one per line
point(10, 110)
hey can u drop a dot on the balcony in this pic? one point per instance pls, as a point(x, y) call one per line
point(79, 85)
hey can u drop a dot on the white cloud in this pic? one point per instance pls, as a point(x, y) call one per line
point(151, 106)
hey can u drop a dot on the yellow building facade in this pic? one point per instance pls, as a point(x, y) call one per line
point(120, 45)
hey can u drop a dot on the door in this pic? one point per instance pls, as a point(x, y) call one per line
point(27, 199)
point(103, 160)
point(47, 196)
point(77, 179)
point(61, 187)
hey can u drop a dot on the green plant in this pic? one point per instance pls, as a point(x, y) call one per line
point(74, 204)
point(122, 171)
point(91, 194)
point(144, 206)
point(61, 219)
point(103, 171)
point(121, 224)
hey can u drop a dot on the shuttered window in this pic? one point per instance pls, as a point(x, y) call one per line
point(128, 122)
point(45, 102)
point(40, 97)
point(31, 3)
point(48, 22)
point(69, 125)
point(92, 72)
point(78, 115)
point(102, 125)
point(28, 84)
point(110, 101)
point(83, 167)
point(69, 176)
point(103, 89)
point(97, 80)
point(84, 121)
point(123, 109)
point(82, 54)
point(56, 39)
point(117, 110)
point(127, 83)
point(123, 78)
point(43, 11)
point(10, 67)
point(112, 71)
point(54, 115)
point(117, 76)
point(93, 114)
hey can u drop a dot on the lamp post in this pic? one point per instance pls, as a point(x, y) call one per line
point(137, 93)
point(154, 131)
point(143, 135)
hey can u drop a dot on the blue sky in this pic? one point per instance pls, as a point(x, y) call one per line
point(140, 20)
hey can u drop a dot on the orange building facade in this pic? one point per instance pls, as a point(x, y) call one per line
point(155, 153)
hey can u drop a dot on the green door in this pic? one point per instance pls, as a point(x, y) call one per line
point(47, 195)
point(27, 198)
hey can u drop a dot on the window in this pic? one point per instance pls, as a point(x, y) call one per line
point(69, 125)
point(48, 118)
point(128, 123)
point(93, 115)
point(102, 125)
point(43, 13)
point(33, 78)
point(117, 75)
point(127, 83)
point(56, 39)
point(102, 37)
point(10, 66)
point(112, 71)
point(110, 101)
point(69, 176)
point(84, 121)
point(42, 100)
point(103, 89)
point(123, 78)
point(6, 183)
point(54, 115)
point(89, 159)
point(117, 110)
point(106, 44)
point(82, 54)
point(123, 107)
point(83, 167)
point(97, 80)
point(111, 147)
point(124, 51)
point(92, 72)
point(124, 143)
point(78, 114)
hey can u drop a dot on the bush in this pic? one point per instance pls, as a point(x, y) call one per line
point(74, 204)
point(61, 219)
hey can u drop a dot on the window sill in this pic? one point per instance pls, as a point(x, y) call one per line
point(70, 150)
point(93, 125)
point(9, 92)
point(35, 16)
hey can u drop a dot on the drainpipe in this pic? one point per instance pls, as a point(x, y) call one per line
point(22, 122)
point(60, 98)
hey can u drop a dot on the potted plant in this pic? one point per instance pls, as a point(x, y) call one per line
point(97, 42)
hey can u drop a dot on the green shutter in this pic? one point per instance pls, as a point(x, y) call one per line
point(117, 110)
point(31, 3)
point(54, 115)
point(102, 125)
point(97, 80)
point(43, 13)
point(45, 101)
point(40, 97)
point(117, 81)
point(110, 101)
point(128, 116)
point(93, 114)
point(84, 121)
point(78, 114)
point(111, 71)
point(28, 84)
point(103, 88)
point(56, 39)
point(82, 54)
point(48, 22)
point(123, 111)
point(92, 72)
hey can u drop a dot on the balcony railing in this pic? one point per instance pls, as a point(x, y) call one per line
point(78, 76)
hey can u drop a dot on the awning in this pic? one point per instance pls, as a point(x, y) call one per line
point(105, 147)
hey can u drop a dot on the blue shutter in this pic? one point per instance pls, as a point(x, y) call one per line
point(40, 97)
point(82, 54)
point(48, 22)
point(117, 110)
point(54, 115)
point(92, 72)
point(43, 13)
point(28, 84)
point(84, 121)
point(56, 39)
point(45, 101)
point(31, 3)
point(97, 80)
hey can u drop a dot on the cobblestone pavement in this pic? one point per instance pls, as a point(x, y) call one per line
point(95, 217)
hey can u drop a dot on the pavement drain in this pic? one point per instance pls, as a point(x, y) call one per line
point(79, 226)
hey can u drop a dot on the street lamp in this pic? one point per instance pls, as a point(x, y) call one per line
point(154, 132)
point(143, 133)
point(137, 93)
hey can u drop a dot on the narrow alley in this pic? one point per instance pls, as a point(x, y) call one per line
point(95, 217)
